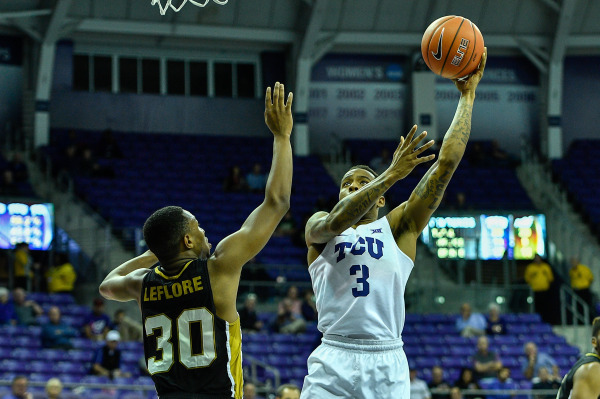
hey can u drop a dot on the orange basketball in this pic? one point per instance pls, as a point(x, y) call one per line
point(452, 46)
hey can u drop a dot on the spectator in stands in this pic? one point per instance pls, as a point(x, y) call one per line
point(287, 227)
point(296, 303)
point(9, 186)
point(460, 201)
point(581, 280)
point(27, 310)
point(107, 361)
point(466, 380)
point(288, 391)
point(23, 266)
point(537, 360)
point(53, 388)
point(502, 382)
point(418, 387)
point(256, 180)
point(455, 393)
point(496, 325)
point(248, 317)
point(7, 308)
point(470, 324)
point(288, 321)
point(381, 162)
point(309, 307)
point(97, 323)
point(235, 181)
point(545, 381)
point(476, 155)
point(56, 334)
point(107, 146)
point(19, 389)
point(249, 391)
point(539, 276)
point(18, 167)
point(130, 329)
point(438, 382)
point(61, 277)
point(485, 362)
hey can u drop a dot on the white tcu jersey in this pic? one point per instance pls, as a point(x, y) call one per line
point(359, 281)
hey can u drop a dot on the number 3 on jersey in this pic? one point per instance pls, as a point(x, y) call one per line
point(364, 275)
point(186, 357)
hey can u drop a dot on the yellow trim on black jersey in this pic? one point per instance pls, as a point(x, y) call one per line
point(157, 270)
point(592, 354)
point(235, 363)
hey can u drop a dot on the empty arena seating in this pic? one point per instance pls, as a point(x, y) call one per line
point(578, 174)
point(488, 184)
point(151, 175)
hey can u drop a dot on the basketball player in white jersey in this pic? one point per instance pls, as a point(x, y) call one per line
point(359, 265)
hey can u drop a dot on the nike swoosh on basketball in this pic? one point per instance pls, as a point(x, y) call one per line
point(438, 54)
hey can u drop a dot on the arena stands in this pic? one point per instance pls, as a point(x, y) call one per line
point(429, 339)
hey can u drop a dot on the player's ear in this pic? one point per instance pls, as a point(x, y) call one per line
point(381, 202)
point(187, 241)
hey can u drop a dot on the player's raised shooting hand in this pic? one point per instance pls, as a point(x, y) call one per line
point(406, 156)
point(468, 85)
point(278, 114)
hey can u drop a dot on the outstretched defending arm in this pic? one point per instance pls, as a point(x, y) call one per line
point(323, 226)
point(238, 248)
point(413, 215)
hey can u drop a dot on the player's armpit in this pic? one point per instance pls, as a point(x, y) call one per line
point(317, 230)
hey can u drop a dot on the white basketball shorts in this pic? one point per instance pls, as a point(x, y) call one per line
point(357, 368)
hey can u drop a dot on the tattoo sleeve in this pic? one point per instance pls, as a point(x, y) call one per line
point(350, 209)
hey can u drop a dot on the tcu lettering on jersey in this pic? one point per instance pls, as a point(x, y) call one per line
point(372, 245)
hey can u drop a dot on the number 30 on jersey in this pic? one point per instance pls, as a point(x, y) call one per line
point(182, 334)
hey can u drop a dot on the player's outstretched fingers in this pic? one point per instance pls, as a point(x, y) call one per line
point(416, 141)
point(411, 134)
point(268, 102)
point(281, 96)
point(276, 94)
point(423, 147)
point(290, 99)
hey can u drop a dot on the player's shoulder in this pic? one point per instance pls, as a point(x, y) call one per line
point(590, 372)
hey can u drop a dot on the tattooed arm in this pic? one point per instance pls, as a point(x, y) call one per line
point(360, 191)
point(412, 216)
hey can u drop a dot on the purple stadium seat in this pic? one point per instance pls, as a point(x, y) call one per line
point(84, 344)
point(131, 357)
point(52, 355)
point(68, 378)
point(80, 356)
point(95, 379)
point(23, 354)
point(144, 381)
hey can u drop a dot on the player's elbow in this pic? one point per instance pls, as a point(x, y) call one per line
point(448, 161)
point(279, 203)
point(104, 290)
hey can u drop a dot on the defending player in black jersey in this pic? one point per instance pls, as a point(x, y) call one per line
point(583, 380)
point(192, 336)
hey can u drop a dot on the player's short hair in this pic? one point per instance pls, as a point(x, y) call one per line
point(364, 167)
point(164, 229)
point(283, 387)
point(596, 327)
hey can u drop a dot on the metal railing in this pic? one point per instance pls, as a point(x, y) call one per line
point(266, 386)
